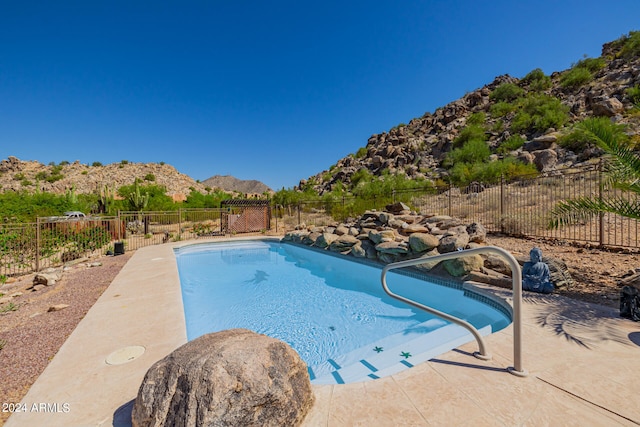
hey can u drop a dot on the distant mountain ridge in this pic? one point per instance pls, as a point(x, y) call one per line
point(32, 176)
point(230, 183)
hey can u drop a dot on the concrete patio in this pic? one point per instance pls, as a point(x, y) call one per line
point(582, 361)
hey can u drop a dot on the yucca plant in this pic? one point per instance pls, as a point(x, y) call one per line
point(622, 172)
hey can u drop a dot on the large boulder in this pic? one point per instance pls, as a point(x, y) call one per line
point(230, 378)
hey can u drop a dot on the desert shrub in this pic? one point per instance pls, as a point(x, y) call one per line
point(539, 112)
point(506, 92)
point(490, 172)
point(631, 45)
point(41, 176)
point(501, 109)
point(361, 177)
point(633, 93)
point(64, 163)
point(26, 183)
point(149, 177)
point(361, 153)
point(471, 132)
point(96, 164)
point(473, 151)
point(477, 118)
point(575, 77)
point(124, 162)
point(512, 143)
point(537, 80)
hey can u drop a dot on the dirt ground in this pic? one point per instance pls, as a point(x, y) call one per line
point(32, 334)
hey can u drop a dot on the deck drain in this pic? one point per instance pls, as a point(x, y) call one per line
point(125, 355)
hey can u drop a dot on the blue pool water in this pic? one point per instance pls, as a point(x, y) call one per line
point(321, 305)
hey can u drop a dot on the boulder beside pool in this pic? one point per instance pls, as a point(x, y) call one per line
point(233, 377)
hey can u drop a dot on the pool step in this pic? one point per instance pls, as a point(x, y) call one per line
point(392, 359)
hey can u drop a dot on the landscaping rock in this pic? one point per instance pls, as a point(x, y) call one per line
point(423, 242)
point(462, 266)
point(325, 239)
point(57, 307)
point(230, 378)
point(343, 243)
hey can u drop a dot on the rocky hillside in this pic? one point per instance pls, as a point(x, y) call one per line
point(18, 175)
point(507, 107)
point(230, 183)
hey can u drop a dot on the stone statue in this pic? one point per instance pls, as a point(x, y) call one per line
point(535, 274)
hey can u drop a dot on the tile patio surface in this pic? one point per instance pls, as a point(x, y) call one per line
point(582, 361)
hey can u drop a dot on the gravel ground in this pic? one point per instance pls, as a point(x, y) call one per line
point(33, 335)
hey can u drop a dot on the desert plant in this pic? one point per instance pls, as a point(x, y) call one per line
point(96, 164)
point(631, 45)
point(137, 200)
point(537, 80)
point(471, 132)
point(539, 112)
point(361, 153)
point(506, 92)
point(477, 118)
point(9, 307)
point(633, 93)
point(501, 109)
point(622, 169)
point(473, 151)
point(575, 78)
point(512, 143)
point(2, 344)
point(149, 177)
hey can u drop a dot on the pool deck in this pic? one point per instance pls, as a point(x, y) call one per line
point(582, 361)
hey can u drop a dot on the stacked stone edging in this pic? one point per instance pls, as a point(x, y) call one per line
point(397, 234)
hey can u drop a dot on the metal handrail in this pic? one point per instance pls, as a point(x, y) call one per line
point(516, 278)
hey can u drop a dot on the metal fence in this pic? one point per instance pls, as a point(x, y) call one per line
point(30, 247)
point(518, 208)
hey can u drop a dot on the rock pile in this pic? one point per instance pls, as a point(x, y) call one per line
point(397, 234)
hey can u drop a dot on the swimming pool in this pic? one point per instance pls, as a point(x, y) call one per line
point(331, 310)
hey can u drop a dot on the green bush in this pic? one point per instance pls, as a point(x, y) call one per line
point(575, 78)
point(473, 151)
point(469, 133)
point(501, 109)
point(633, 93)
point(539, 112)
point(631, 47)
point(506, 92)
point(537, 80)
point(592, 64)
point(510, 144)
point(149, 177)
point(361, 153)
point(490, 172)
point(477, 119)
point(96, 164)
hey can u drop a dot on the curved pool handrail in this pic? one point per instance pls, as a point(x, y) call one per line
point(516, 278)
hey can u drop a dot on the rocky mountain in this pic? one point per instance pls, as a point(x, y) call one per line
point(230, 183)
point(506, 108)
point(18, 175)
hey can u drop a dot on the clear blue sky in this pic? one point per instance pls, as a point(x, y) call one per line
point(270, 90)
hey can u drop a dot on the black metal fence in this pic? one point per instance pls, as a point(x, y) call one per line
point(519, 208)
point(29, 247)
